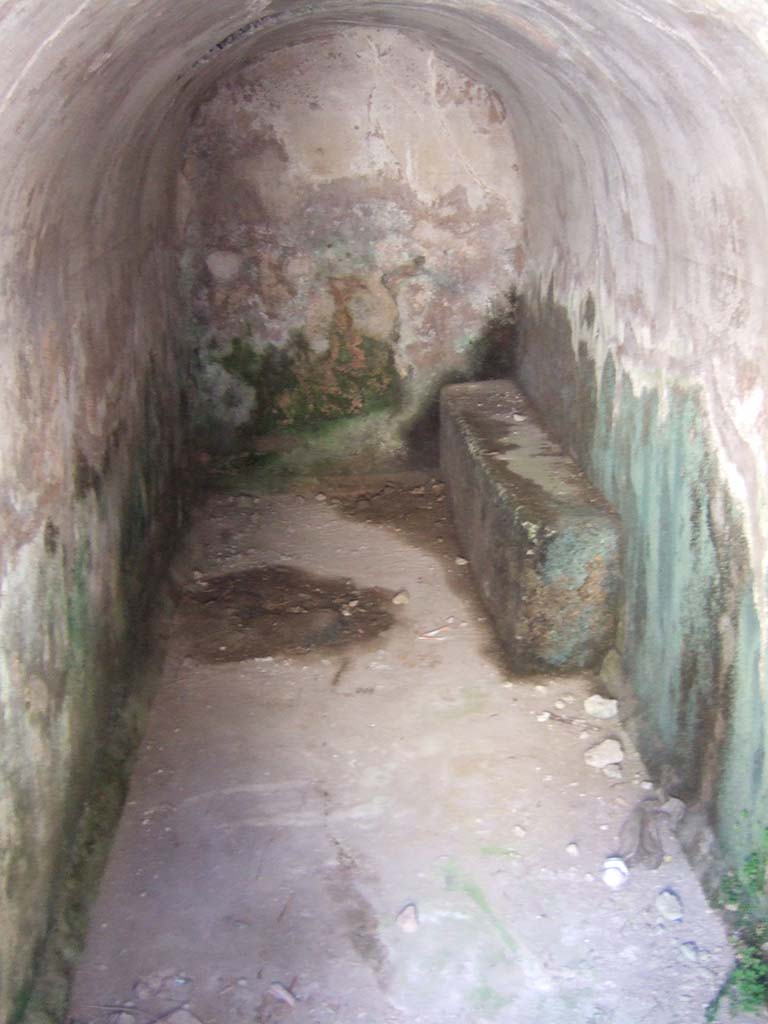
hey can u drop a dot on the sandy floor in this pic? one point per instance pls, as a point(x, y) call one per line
point(288, 805)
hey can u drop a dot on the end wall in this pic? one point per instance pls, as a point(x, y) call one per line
point(350, 209)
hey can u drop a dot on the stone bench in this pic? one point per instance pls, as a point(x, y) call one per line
point(543, 545)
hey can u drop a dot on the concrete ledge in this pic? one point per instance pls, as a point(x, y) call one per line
point(543, 545)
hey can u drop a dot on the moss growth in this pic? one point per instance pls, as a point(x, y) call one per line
point(78, 610)
point(742, 893)
point(44, 1001)
point(748, 982)
point(356, 376)
point(296, 387)
point(268, 371)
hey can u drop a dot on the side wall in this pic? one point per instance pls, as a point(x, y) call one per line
point(643, 340)
point(89, 450)
point(689, 660)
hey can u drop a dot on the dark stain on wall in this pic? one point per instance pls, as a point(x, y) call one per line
point(691, 638)
point(492, 354)
point(90, 601)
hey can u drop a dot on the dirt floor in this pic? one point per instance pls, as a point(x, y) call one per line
point(346, 809)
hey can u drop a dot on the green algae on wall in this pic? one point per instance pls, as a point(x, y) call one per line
point(691, 628)
point(690, 645)
point(353, 266)
point(293, 386)
point(658, 472)
point(72, 691)
point(743, 792)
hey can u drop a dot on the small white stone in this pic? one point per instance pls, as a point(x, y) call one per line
point(615, 872)
point(689, 951)
point(408, 919)
point(281, 993)
point(461, 561)
point(572, 849)
point(669, 906)
point(321, 497)
point(601, 707)
point(401, 597)
point(519, 831)
point(605, 753)
point(544, 716)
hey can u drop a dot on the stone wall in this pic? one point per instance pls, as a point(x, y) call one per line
point(688, 664)
point(641, 338)
point(90, 448)
point(350, 215)
point(641, 139)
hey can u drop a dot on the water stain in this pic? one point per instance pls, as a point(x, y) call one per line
point(415, 505)
point(278, 609)
point(360, 918)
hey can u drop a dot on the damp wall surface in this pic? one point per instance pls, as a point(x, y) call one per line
point(350, 212)
point(641, 337)
point(89, 445)
point(640, 130)
point(687, 662)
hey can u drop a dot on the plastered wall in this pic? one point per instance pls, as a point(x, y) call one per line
point(639, 131)
point(350, 210)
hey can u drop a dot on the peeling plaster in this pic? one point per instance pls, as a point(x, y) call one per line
point(641, 137)
point(362, 157)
